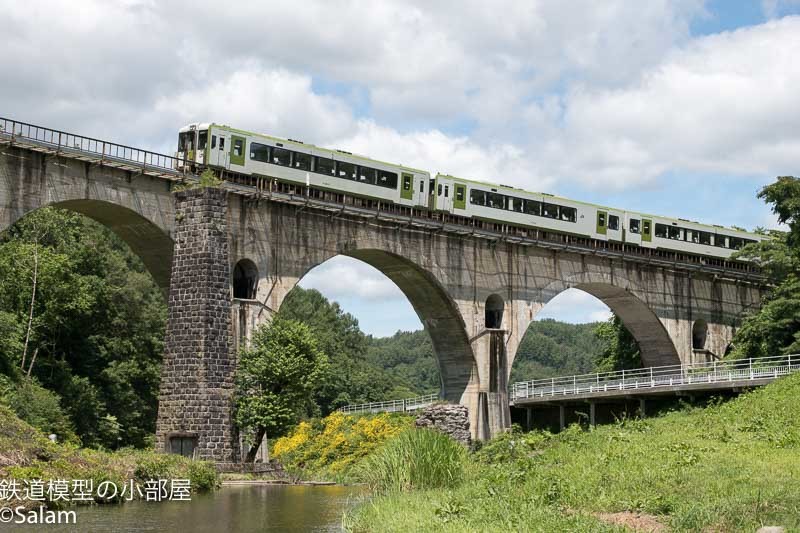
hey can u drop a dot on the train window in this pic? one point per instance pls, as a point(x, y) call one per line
point(646, 227)
point(477, 197)
point(460, 194)
point(446, 190)
point(238, 147)
point(719, 241)
point(407, 183)
point(673, 233)
point(222, 143)
point(613, 222)
point(493, 199)
point(387, 179)
point(704, 237)
point(692, 236)
point(323, 165)
point(532, 207)
point(281, 156)
point(737, 243)
point(439, 192)
point(421, 186)
point(601, 219)
point(549, 210)
point(661, 231)
point(345, 171)
point(432, 188)
point(259, 152)
point(634, 225)
point(518, 204)
point(367, 175)
point(301, 161)
point(202, 140)
point(185, 141)
point(213, 141)
point(569, 214)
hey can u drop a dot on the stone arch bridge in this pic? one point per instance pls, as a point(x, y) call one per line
point(476, 291)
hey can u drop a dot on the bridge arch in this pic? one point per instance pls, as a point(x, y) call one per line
point(151, 243)
point(637, 316)
point(436, 310)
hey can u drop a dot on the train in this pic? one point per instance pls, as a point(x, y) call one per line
point(221, 147)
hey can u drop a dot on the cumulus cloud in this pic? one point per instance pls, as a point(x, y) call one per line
point(575, 306)
point(344, 277)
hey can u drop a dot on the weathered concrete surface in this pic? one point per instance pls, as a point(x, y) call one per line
point(447, 278)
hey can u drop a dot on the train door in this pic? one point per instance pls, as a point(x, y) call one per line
point(223, 143)
point(237, 148)
point(419, 191)
point(602, 222)
point(407, 186)
point(213, 152)
point(444, 195)
point(647, 230)
point(459, 196)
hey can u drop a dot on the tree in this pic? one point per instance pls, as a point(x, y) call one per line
point(774, 329)
point(275, 379)
point(620, 349)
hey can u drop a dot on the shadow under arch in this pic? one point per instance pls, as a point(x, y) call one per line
point(655, 344)
point(437, 312)
point(151, 243)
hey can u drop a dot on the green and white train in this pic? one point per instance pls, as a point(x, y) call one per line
point(224, 148)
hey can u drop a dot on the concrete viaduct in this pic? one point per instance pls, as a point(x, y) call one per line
point(474, 293)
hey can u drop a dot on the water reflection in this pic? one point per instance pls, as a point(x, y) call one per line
point(240, 508)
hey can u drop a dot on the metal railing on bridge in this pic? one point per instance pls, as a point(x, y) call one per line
point(658, 376)
point(106, 152)
point(391, 406)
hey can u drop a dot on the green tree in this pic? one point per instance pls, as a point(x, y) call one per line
point(774, 328)
point(79, 313)
point(620, 350)
point(275, 379)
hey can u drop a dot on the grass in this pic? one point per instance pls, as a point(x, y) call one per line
point(415, 459)
point(728, 467)
point(26, 454)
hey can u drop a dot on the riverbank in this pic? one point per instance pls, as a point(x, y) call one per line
point(26, 454)
point(729, 467)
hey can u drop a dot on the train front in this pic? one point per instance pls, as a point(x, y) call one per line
point(192, 144)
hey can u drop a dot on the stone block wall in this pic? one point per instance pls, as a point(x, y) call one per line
point(199, 360)
point(450, 419)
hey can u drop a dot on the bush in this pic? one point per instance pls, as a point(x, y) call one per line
point(39, 407)
point(415, 459)
point(203, 476)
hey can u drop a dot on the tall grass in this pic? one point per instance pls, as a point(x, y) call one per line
point(415, 459)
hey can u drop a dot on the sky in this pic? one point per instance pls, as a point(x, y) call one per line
point(682, 108)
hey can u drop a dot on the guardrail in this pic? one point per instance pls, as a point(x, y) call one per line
point(391, 406)
point(658, 376)
point(65, 142)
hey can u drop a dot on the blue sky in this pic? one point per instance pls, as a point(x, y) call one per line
point(682, 107)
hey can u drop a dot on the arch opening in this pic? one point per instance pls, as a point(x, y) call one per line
point(245, 280)
point(699, 334)
point(437, 354)
point(493, 314)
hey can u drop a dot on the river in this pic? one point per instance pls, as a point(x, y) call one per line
point(244, 509)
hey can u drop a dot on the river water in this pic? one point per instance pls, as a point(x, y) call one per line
point(245, 509)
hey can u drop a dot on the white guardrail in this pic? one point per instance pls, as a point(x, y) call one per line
point(391, 406)
point(658, 376)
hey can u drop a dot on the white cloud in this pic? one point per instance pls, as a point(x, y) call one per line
point(575, 306)
point(343, 277)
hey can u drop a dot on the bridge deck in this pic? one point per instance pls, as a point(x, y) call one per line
point(104, 153)
point(654, 381)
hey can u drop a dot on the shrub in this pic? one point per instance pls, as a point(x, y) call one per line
point(415, 459)
point(203, 476)
point(40, 408)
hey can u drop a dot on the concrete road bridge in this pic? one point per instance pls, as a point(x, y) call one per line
point(228, 257)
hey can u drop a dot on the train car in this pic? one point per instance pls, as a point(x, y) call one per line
point(222, 147)
point(509, 205)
